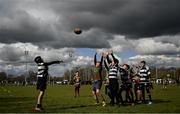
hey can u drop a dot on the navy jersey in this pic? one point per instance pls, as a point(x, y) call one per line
point(124, 75)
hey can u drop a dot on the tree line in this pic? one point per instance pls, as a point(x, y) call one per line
point(86, 74)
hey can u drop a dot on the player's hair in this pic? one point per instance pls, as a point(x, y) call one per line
point(128, 67)
point(38, 59)
point(144, 62)
point(116, 61)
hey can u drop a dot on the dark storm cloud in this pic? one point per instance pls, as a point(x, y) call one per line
point(131, 18)
point(20, 27)
point(91, 39)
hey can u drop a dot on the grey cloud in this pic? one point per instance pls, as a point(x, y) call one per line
point(134, 19)
point(9, 53)
point(131, 18)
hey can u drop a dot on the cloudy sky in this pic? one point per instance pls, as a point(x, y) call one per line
point(134, 29)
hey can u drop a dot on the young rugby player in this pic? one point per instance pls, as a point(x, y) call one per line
point(97, 81)
point(126, 84)
point(144, 74)
point(42, 76)
point(112, 68)
point(77, 80)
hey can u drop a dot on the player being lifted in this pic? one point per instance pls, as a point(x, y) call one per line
point(42, 75)
point(97, 81)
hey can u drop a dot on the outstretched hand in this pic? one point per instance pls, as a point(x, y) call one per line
point(61, 61)
point(110, 51)
point(104, 54)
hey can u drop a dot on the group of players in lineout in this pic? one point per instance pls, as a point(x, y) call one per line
point(133, 83)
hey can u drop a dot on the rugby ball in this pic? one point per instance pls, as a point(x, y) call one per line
point(77, 31)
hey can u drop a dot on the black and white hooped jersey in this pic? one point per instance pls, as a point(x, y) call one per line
point(113, 71)
point(42, 70)
point(144, 74)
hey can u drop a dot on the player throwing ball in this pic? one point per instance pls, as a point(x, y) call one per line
point(42, 75)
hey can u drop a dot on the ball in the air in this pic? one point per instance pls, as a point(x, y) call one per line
point(77, 31)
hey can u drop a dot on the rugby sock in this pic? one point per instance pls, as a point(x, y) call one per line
point(39, 105)
point(150, 97)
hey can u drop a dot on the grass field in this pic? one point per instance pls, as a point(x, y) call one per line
point(60, 99)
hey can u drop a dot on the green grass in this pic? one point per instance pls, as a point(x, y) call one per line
point(60, 99)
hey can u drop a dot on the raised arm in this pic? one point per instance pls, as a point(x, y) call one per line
point(106, 66)
point(108, 59)
point(114, 58)
point(101, 62)
point(53, 62)
point(95, 60)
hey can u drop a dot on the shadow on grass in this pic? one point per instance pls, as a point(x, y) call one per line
point(69, 107)
point(159, 101)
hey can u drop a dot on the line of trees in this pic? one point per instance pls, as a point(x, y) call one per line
point(86, 74)
point(156, 73)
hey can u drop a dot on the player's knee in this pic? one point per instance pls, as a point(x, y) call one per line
point(93, 92)
point(97, 92)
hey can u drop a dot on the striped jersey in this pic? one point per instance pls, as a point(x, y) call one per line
point(144, 74)
point(113, 71)
point(42, 70)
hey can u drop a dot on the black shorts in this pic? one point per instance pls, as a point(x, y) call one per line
point(126, 86)
point(41, 84)
point(77, 85)
point(143, 86)
point(139, 86)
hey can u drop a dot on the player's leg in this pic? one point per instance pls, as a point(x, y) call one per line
point(111, 92)
point(94, 87)
point(117, 92)
point(78, 90)
point(120, 94)
point(99, 94)
point(127, 98)
point(39, 101)
point(114, 91)
point(143, 93)
point(75, 91)
point(139, 93)
point(132, 96)
point(41, 86)
point(135, 92)
point(149, 94)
